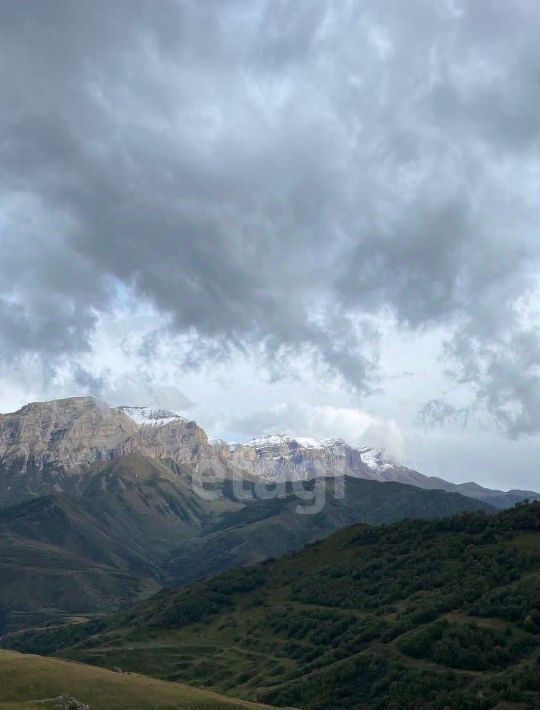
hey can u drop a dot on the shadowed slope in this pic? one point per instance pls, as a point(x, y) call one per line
point(279, 526)
point(112, 545)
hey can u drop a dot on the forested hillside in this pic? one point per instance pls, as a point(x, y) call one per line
point(437, 614)
point(138, 526)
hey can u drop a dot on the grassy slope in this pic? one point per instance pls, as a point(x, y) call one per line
point(37, 576)
point(62, 554)
point(274, 527)
point(439, 614)
point(25, 678)
point(109, 548)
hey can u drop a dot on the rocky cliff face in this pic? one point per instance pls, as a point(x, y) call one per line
point(64, 433)
point(45, 447)
point(279, 458)
point(48, 447)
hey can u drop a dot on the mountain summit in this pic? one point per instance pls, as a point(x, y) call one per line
point(148, 416)
point(47, 447)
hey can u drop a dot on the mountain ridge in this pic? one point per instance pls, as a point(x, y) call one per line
point(46, 448)
point(111, 504)
point(126, 535)
point(277, 457)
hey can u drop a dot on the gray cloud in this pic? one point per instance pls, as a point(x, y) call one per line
point(438, 412)
point(276, 176)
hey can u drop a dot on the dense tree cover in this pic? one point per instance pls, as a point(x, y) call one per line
point(466, 646)
point(48, 639)
point(371, 681)
point(197, 603)
point(465, 562)
point(437, 614)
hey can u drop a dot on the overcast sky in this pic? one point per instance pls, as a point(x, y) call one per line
point(316, 218)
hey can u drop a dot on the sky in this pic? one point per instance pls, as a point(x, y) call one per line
point(312, 218)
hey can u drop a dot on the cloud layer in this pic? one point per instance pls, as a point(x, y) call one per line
point(278, 178)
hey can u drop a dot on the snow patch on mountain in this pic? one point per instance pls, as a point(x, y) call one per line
point(148, 416)
point(270, 444)
point(307, 442)
point(217, 442)
point(303, 442)
point(261, 442)
point(334, 442)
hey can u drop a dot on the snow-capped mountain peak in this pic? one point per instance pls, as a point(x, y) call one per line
point(334, 441)
point(148, 416)
point(261, 442)
point(280, 456)
point(308, 442)
point(66, 436)
point(372, 458)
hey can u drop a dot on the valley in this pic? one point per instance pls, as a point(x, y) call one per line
point(288, 572)
point(415, 614)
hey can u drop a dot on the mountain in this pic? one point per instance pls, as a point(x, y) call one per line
point(419, 614)
point(51, 447)
point(126, 512)
point(67, 522)
point(102, 506)
point(53, 682)
point(58, 558)
point(101, 548)
point(276, 527)
point(279, 457)
point(138, 525)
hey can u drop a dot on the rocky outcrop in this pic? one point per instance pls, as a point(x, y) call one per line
point(63, 702)
point(45, 447)
point(284, 458)
point(278, 457)
point(64, 433)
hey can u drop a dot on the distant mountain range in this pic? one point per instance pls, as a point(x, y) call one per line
point(49, 447)
point(279, 457)
point(102, 506)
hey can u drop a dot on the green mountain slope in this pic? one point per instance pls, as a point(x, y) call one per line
point(137, 523)
point(435, 614)
point(100, 549)
point(279, 526)
point(60, 555)
point(24, 679)
point(73, 525)
point(40, 582)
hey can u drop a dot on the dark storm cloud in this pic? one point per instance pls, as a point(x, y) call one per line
point(277, 175)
